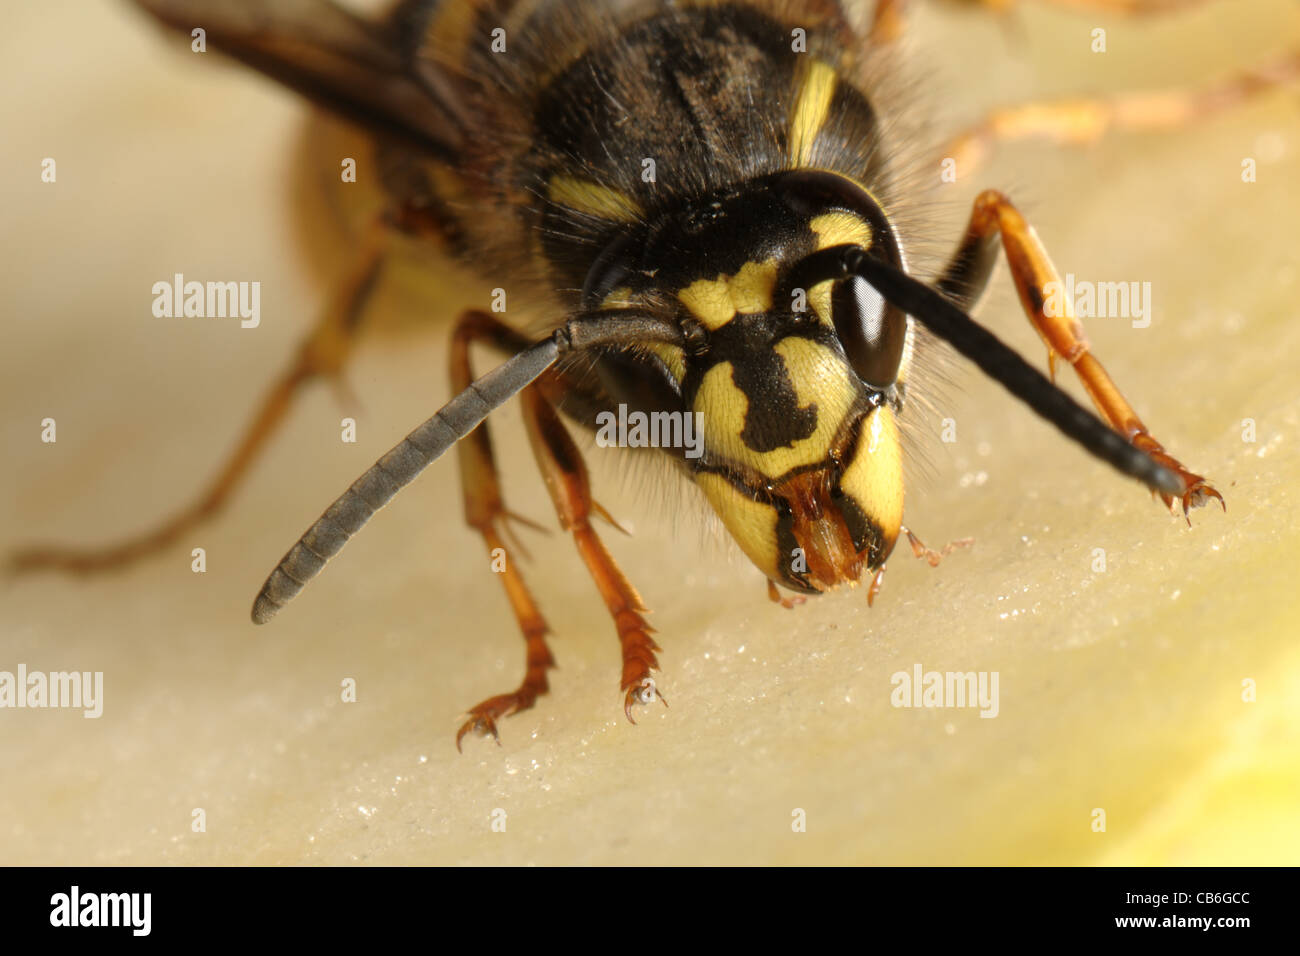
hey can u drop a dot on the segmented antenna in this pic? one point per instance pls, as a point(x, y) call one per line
point(999, 361)
point(393, 472)
point(422, 447)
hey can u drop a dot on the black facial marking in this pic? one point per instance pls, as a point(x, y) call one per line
point(774, 419)
point(786, 544)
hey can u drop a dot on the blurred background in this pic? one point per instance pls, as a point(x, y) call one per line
point(1120, 690)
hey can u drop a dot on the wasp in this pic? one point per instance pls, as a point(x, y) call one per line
point(702, 196)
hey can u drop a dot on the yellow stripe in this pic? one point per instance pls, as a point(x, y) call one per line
point(816, 89)
point(593, 199)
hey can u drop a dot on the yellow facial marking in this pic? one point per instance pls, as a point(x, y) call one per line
point(750, 522)
point(593, 199)
point(620, 298)
point(874, 478)
point(817, 85)
point(819, 377)
point(672, 356)
point(819, 298)
point(841, 228)
point(834, 229)
point(724, 407)
point(715, 301)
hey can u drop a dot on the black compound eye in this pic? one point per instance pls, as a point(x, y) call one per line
point(607, 273)
point(872, 332)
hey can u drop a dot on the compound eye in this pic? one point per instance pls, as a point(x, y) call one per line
point(872, 332)
point(608, 272)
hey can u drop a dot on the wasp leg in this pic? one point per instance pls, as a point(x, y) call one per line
point(775, 597)
point(485, 512)
point(1033, 273)
point(1083, 120)
point(888, 21)
point(1128, 7)
point(565, 473)
point(919, 549)
point(322, 354)
point(931, 556)
point(874, 588)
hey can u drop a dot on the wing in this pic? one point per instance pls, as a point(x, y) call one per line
point(365, 70)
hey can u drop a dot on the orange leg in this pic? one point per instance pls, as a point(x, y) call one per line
point(888, 21)
point(1033, 272)
point(874, 587)
point(566, 478)
point(486, 513)
point(322, 355)
point(786, 602)
point(1083, 120)
point(919, 549)
point(1129, 7)
point(931, 556)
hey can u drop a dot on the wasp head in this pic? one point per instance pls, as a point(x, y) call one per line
point(795, 385)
